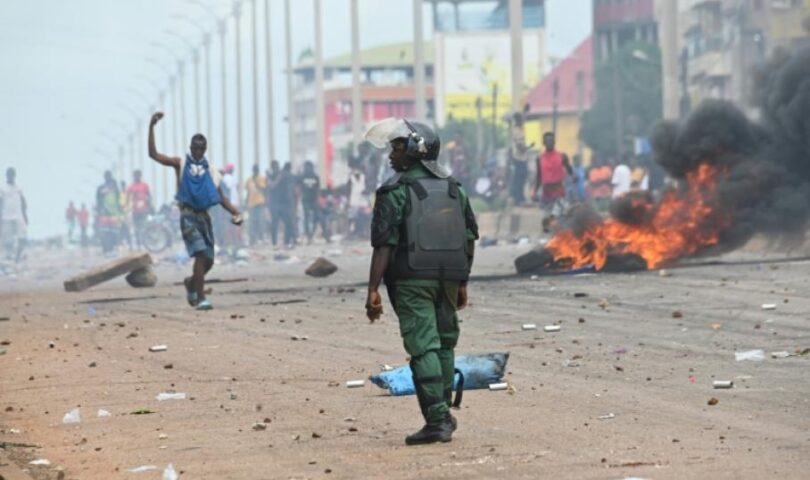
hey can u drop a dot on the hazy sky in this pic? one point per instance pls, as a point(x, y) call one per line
point(77, 76)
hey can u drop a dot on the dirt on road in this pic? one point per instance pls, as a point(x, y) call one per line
point(624, 389)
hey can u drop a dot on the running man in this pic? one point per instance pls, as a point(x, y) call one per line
point(198, 189)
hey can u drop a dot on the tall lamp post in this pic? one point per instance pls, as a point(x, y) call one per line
point(206, 43)
point(221, 31)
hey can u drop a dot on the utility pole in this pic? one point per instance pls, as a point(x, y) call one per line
point(121, 160)
point(268, 60)
point(224, 65)
point(237, 15)
point(209, 129)
point(195, 57)
point(254, 58)
point(175, 145)
point(183, 131)
point(357, 94)
point(516, 35)
point(580, 105)
point(320, 115)
point(420, 109)
point(668, 20)
point(291, 116)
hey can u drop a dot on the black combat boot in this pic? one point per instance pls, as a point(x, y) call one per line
point(448, 398)
point(432, 433)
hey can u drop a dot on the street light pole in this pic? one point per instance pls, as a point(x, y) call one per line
point(268, 59)
point(516, 35)
point(420, 109)
point(255, 69)
point(357, 98)
point(237, 14)
point(320, 115)
point(291, 115)
point(222, 30)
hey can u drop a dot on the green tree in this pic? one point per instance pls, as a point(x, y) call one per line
point(632, 77)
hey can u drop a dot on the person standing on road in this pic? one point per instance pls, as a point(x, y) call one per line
point(140, 202)
point(255, 187)
point(198, 189)
point(109, 215)
point(622, 179)
point(552, 167)
point(84, 223)
point(70, 218)
point(13, 217)
point(423, 231)
point(310, 184)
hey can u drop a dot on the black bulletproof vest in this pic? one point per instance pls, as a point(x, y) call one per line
point(433, 243)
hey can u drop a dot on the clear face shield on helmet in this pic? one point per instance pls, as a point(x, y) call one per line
point(383, 132)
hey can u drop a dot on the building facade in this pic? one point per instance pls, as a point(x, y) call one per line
point(618, 22)
point(723, 41)
point(388, 90)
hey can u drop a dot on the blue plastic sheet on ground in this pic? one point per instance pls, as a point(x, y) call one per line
point(479, 372)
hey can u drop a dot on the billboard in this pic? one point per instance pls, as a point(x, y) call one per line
point(470, 65)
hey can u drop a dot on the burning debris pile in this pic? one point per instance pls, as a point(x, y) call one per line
point(735, 178)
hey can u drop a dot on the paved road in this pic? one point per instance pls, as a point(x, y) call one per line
point(621, 391)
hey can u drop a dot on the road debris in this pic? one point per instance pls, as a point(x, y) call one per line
point(713, 401)
point(169, 473)
point(142, 278)
point(141, 411)
point(40, 461)
point(259, 427)
point(158, 348)
point(781, 354)
point(750, 355)
point(494, 387)
point(170, 396)
point(769, 306)
point(529, 326)
point(72, 416)
point(355, 383)
point(108, 271)
point(103, 413)
point(609, 416)
point(142, 468)
point(551, 328)
point(296, 338)
point(321, 268)
point(723, 384)
point(677, 314)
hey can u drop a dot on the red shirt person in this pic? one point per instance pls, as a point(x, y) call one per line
point(552, 168)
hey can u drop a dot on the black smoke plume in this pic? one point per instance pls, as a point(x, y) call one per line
point(767, 185)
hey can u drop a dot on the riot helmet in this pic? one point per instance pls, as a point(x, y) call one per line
point(423, 143)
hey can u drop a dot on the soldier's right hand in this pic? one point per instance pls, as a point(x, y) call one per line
point(155, 118)
point(374, 306)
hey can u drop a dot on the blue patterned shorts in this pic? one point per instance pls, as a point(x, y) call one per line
point(198, 234)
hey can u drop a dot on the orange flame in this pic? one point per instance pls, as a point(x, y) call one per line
point(681, 224)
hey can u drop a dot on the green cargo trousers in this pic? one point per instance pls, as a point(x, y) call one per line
point(429, 327)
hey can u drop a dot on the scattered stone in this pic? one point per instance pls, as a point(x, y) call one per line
point(580, 295)
point(677, 314)
point(92, 365)
point(713, 401)
point(316, 435)
point(321, 268)
point(780, 354)
point(259, 427)
point(142, 278)
point(168, 366)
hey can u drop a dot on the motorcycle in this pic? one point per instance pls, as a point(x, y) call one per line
point(158, 233)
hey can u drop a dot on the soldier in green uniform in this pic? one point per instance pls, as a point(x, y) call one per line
point(423, 233)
